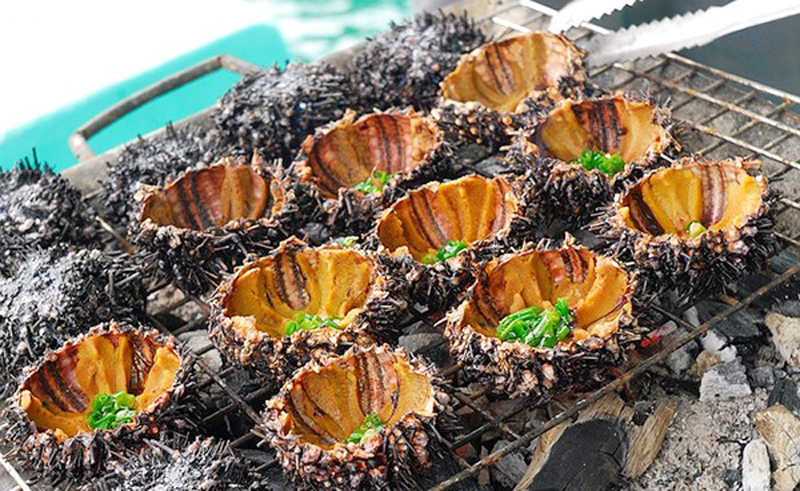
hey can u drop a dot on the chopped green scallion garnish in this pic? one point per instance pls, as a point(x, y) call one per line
point(308, 322)
point(695, 229)
point(374, 183)
point(111, 410)
point(536, 327)
point(606, 163)
point(347, 241)
point(451, 249)
point(371, 426)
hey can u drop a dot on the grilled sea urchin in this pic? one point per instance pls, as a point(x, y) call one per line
point(252, 310)
point(152, 162)
point(597, 289)
point(637, 130)
point(39, 208)
point(486, 214)
point(405, 147)
point(208, 219)
point(654, 225)
point(493, 86)
point(325, 403)
point(404, 66)
point(49, 413)
point(273, 111)
point(55, 296)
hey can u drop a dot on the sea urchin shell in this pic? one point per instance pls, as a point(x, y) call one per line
point(274, 110)
point(152, 161)
point(310, 420)
point(487, 214)
point(208, 219)
point(54, 296)
point(40, 209)
point(649, 225)
point(49, 411)
point(597, 289)
point(252, 309)
point(403, 66)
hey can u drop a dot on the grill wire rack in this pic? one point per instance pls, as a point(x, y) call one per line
point(723, 115)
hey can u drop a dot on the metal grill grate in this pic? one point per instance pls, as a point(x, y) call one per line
point(724, 115)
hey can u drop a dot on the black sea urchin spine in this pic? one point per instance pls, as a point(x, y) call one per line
point(274, 110)
point(407, 63)
point(153, 161)
point(207, 464)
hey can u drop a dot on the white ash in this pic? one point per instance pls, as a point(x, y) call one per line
point(755, 466)
point(762, 377)
point(718, 345)
point(692, 316)
point(724, 381)
point(785, 336)
point(780, 430)
point(703, 445)
point(681, 359)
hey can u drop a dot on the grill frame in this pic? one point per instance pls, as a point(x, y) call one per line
point(737, 115)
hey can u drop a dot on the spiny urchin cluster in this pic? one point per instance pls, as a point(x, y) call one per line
point(39, 209)
point(152, 161)
point(404, 66)
point(274, 110)
point(55, 296)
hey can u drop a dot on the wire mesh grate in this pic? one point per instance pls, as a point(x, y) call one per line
point(723, 115)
